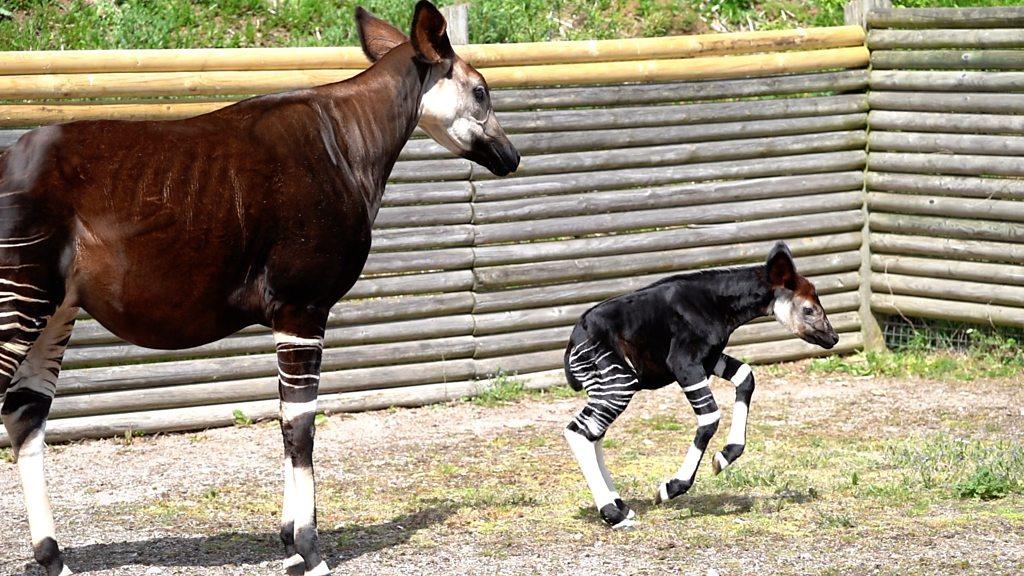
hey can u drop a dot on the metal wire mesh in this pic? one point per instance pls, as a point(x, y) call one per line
point(902, 332)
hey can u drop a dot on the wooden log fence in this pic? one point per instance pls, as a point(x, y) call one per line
point(642, 158)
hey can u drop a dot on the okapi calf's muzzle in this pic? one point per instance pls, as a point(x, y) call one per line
point(796, 305)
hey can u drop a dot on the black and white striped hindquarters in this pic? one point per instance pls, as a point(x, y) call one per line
point(741, 376)
point(610, 383)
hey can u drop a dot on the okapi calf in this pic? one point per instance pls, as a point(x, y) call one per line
point(675, 330)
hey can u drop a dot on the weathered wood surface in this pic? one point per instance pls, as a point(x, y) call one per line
point(947, 59)
point(949, 123)
point(426, 215)
point(945, 38)
point(998, 274)
point(949, 248)
point(945, 289)
point(941, 81)
point(949, 207)
point(914, 306)
point(526, 187)
point(988, 17)
point(955, 164)
point(926, 142)
point(924, 101)
point(945, 227)
point(956, 186)
point(480, 55)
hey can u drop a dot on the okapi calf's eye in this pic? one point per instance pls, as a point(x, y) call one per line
point(676, 330)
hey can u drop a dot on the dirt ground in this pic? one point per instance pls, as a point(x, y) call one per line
point(842, 475)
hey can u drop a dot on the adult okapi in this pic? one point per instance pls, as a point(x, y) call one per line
point(177, 233)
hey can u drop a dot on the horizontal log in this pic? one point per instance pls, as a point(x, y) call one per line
point(431, 170)
point(957, 186)
point(402, 239)
point(916, 307)
point(1001, 210)
point(235, 82)
point(924, 142)
point(646, 219)
point(944, 102)
point(962, 164)
point(356, 312)
point(432, 193)
point(987, 17)
point(511, 54)
point(946, 122)
point(947, 60)
point(950, 248)
point(419, 261)
point(945, 38)
point(946, 81)
point(590, 140)
point(723, 233)
point(530, 186)
point(944, 227)
point(659, 156)
point(1000, 274)
point(785, 351)
point(497, 277)
point(9, 137)
point(431, 215)
point(542, 207)
point(945, 289)
point(636, 94)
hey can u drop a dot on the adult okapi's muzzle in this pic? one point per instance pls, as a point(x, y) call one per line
point(796, 305)
point(494, 150)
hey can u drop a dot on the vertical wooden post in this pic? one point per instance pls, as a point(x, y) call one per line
point(458, 23)
point(855, 12)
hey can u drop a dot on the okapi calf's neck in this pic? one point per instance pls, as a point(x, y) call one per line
point(174, 234)
point(675, 330)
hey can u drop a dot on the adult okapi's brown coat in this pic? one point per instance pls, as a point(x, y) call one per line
point(174, 234)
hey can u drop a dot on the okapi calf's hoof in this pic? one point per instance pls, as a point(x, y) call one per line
point(674, 488)
point(624, 509)
point(726, 457)
point(616, 517)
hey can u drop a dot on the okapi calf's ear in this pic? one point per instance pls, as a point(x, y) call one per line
point(430, 34)
point(781, 269)
point(376, 36)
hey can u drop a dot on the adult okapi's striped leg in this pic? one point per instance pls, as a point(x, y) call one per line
point(298, 360)
point(742, 377)
point(32, 338)
point(703, 402)
point(610, 384)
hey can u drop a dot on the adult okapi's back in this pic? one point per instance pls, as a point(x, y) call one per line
point(174, 234)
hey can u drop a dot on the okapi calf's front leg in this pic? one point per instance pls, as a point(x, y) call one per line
point(298, 359)
point(742, 377)
point(698, 393)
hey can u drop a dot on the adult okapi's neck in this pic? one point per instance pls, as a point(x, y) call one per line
point(743, 294)
point(371, 117)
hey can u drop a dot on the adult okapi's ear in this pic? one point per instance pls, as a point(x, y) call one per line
point(781, 269)
point(430, 34)
point(377, 36)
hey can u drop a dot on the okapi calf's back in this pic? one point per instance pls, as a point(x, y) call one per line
point(174, 234)
point(674, 331)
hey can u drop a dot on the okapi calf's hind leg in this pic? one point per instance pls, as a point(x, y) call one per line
point(695, 385)
point(610, 384)
point(298, 358)
point(742, 377)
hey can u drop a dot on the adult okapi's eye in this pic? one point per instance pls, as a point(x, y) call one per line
point(807, 310)
point(479, 93)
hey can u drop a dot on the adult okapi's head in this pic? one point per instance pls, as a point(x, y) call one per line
point(796, 303)
point(456, 106)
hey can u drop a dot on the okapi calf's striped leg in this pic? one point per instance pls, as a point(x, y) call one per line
point(610, 384)
point(698, 392)
point(742, 377)
point(36, 347)
point(298, 360)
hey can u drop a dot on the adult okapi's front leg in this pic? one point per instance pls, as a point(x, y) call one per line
point(298, 359)
point(742, 377)
point(695, 386)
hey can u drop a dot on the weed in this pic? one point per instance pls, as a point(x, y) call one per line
point(984, 484)
point(320, 419)
point(968, 468)
point(241, 419)
point(835, 520)
point(7, 455)
point(664, 422)
point(503, 388)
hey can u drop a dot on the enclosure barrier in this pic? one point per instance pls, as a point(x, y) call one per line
point(946, 140)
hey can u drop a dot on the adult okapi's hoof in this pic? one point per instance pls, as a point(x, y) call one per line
point(674, 488)
point(617, 518)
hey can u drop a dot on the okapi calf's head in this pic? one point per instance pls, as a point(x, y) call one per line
point(796, 305)
point(455, 109)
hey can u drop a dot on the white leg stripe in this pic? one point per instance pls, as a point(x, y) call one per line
point(697, 386)
point(33, 483)
point(304, 498)
point(663, 492)
point(293, 561)
point(585, 453)
point(741, 375)
point(66, 571)
point(292, 410)
point(320, 570)
point(722, 462)
point(738, 428)
point(284, 338)
point(710, 418)
point(690, 463)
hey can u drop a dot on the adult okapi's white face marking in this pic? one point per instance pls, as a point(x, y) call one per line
point(456, 112)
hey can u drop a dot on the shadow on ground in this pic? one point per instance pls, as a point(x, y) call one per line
point(338, 546)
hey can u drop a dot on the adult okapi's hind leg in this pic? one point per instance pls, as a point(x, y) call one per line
point(33, 336)
point(299, 349)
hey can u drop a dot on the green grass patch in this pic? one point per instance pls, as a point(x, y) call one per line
point(502, 389)
point(241, 419)
point(966, 468)
point(7, 455)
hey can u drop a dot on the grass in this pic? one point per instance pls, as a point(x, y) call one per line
point(502, 389)
point(90, 24)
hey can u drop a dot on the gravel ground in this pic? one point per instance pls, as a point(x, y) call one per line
point(397, 492)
